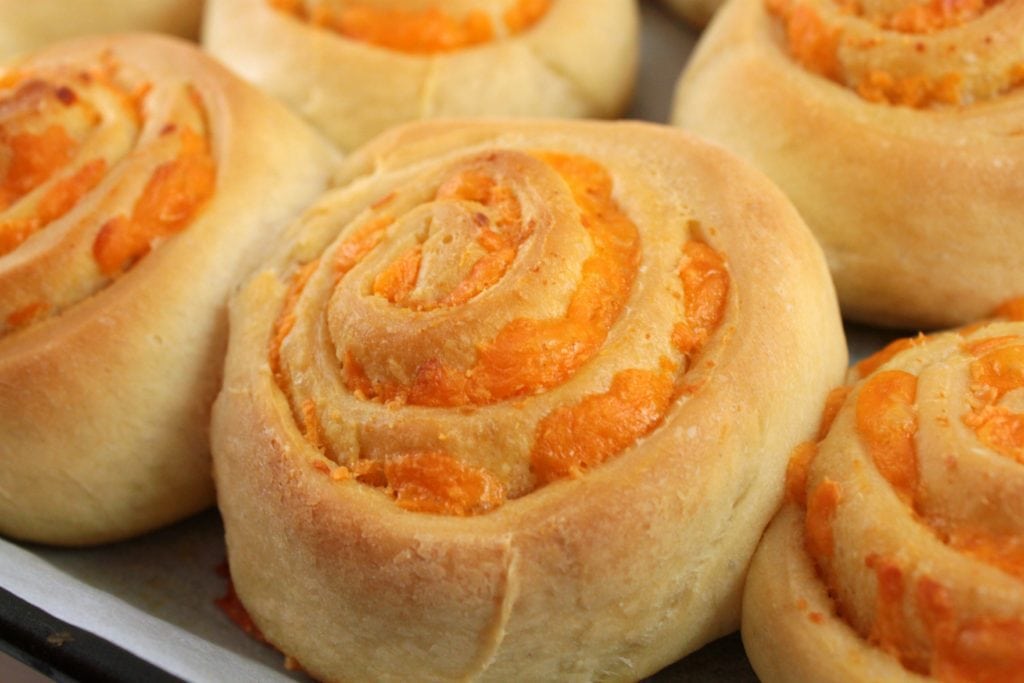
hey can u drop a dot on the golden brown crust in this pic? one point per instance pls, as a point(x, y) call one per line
point(613, 573)
point(578, 59)
point(27, 26)
point(105, 395)
point(915, 206)
point(913, 571)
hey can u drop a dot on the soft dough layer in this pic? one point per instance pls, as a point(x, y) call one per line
point(515, 400)
point(357, 67)
point(139, 182)
point(898, 555)
point(895, 128)
point(31, 25)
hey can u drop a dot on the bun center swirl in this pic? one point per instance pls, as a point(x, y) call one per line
point(902, 52)
point(426, 30)
point(940, 420)
point(472, 319)
point(493, 201)
point(97, 166)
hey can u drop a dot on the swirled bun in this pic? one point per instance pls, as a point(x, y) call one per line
point(357, 67)
point(898, 555)
point(514, 401)
point(897, 132)
point(139, 182)
point(31, 24)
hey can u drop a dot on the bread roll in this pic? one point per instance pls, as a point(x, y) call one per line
point(895, 128)
point(29, 24)
point(138, 181)
point(898, 556)
point(357, 67)
point(514, 401)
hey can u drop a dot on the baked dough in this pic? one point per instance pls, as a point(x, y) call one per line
point(897, 132)
point(514, 401)
point(138, 182)
point(357, 67)
point(30, 24)
point(897, 557)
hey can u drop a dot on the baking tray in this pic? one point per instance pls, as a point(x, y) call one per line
point(145, 610)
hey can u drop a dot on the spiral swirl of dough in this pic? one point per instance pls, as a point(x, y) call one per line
point(503, 360)
point(102, 165)
point(127, 185)
point(895, 128)
point(922, 55)
point(493, 284)
point(900, 555)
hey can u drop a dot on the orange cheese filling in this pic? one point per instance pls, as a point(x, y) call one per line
point(529, 355)
point(977, 649)
point(500, 241)
point(1004, 551)
point(810, 41)
point(822, 504)
point(981, 649)
point(359, 244)
point(996, 373)
point(576, 438)
point(234, 610)
point(523, 14)
point(48, 125)
point(27, 315)
point(935, 16)
point(955, 648)
point(426, 31)
point(34, 152)
point(815, 45)
point(803, 455)
point(58, 200)
point(396, 281)
point(435, 483)
point(887, 424)
point(285, 322)
point(797, 469)
point(889, 626)
point(833, 402)
point(33, 159)
point(910, 91)
point(705, 286)
point(1012, 309)
point(171, 199)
